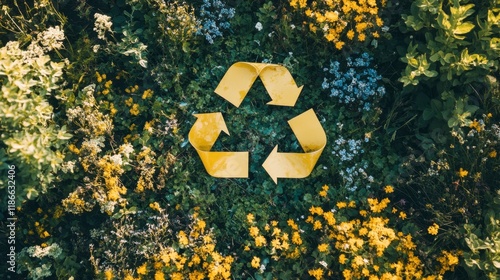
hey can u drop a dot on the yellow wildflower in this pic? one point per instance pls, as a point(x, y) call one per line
point(183, 240)
point(323, 247)
point(402, 215)
point(341, 205)
point(329, 217)
point(134, 110)
point(493, 154)
point(255, 262)
point(250, 218)
point(316, 210)
point(108, 274)
point(342, 259)
point(316, 273)
point(350, 34)
point(433, 229)
point(129, 102)
point(317, 225)
point(201, 225)
point(176, 276)
point(324, 191)
point(260, 241)
point(155, 206)
point(147, 94)
point(476, 125)
point(292, 224)
point(389, 189)
point(339, 45)
point(296, 238)
point(142, 270)
point(254, 231)
point(159, 275)
point(462, 172)
point(448, 261)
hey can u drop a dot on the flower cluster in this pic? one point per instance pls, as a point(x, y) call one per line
point(283, 241)
point(53, 250)
point(350, 241)
point(359, 85)
point(51, 39)
point(352, 169)
point(179, 22)
point(344, 21)
point(102, 25)
point(163, 253)
point(41, 259)
point(30, 137)
point(214, 17)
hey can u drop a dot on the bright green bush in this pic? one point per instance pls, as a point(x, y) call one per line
point(453, 47)
point(484, 244)
point(30, 138)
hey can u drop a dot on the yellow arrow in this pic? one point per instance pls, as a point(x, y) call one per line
point(277, 80)
point(202, 137)
point(312, 138)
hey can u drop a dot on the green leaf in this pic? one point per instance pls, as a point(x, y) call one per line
point(464, 28)
point(185, 47)
point(31, 193)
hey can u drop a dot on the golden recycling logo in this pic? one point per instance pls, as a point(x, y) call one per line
point(281, 86)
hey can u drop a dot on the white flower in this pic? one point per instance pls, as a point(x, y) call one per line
point(323, 263)
point(51, 38)
point(258, 26)
point(102, 24)
point(126, 149)
point(68, 166)
point(96, 48)
point(38, 252)
point(262, 268)
point(117, 159)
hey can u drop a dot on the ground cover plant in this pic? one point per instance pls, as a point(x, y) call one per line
point(98, 99)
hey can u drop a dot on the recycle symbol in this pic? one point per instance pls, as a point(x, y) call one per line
point(281, 86)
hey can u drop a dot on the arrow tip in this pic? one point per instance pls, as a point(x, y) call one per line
point(288, 98)
point(215, 119)
point(270, 164)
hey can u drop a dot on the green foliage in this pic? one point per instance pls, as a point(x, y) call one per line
point(127, 196)
point(484, 244)
point(450, 42)
point(450, 52)
point(30, 139)
point(47, 260)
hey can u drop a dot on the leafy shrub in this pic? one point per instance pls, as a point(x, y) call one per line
point(449, 58)
point(30, 138)
point(484, 243)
